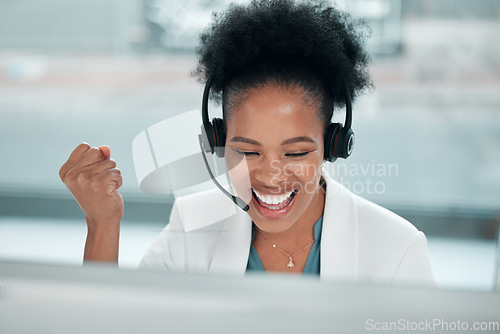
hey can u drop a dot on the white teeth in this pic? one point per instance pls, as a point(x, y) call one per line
point(273, 200)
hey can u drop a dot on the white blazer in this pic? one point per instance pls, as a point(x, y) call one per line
point(360, 241)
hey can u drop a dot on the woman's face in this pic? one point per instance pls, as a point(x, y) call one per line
point(281, 137)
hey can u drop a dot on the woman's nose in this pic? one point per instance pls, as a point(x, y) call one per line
point(270, 172)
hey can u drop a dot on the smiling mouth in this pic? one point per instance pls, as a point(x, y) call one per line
point(274, 202)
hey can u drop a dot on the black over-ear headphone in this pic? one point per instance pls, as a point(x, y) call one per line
point(339, 140)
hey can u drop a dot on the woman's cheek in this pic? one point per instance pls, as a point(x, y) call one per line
point(305, 169)
point(239, 174)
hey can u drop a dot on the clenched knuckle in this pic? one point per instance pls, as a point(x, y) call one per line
point(84, 145)
point(70, 176)
point(62, 174)
point(95, 150)
point(82, 178)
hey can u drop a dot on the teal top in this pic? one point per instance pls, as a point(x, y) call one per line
point(313, 260)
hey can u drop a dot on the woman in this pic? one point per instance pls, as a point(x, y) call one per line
point(279, 68)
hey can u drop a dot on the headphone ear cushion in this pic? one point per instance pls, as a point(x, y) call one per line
point(344, 143)
point(329, 145)
point(219, 129)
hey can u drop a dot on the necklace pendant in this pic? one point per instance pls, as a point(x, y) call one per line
point(290, 263)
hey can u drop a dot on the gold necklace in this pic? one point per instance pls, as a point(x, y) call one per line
point(290, 257)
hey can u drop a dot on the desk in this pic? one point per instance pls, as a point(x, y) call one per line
point(89, 299)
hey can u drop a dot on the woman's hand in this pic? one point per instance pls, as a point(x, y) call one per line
point(93, 179)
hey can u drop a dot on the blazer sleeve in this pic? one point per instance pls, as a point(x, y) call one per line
point(414, 267)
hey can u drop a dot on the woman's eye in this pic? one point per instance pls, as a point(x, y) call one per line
point(296, 155)
point(247, 153)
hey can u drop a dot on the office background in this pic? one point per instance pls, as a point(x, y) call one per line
point(102, 71)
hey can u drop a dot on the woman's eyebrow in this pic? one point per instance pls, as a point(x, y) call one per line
point(297, 140)
point(245, 140)
point(286, 142)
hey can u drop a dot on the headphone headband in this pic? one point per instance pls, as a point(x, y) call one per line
point(204, 103)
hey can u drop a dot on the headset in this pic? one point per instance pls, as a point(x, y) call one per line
point(339, 139)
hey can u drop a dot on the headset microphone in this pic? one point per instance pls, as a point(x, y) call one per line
point(236, 200)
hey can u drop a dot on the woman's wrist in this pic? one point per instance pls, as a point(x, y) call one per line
point(102, 242)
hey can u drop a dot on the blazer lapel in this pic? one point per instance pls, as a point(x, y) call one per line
point(339, 236)
point(233, 246)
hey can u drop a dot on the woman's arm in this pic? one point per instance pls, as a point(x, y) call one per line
point(93, 179)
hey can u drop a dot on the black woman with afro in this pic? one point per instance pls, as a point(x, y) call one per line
point(280, 68)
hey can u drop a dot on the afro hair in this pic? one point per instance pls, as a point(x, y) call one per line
point(285, 41)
